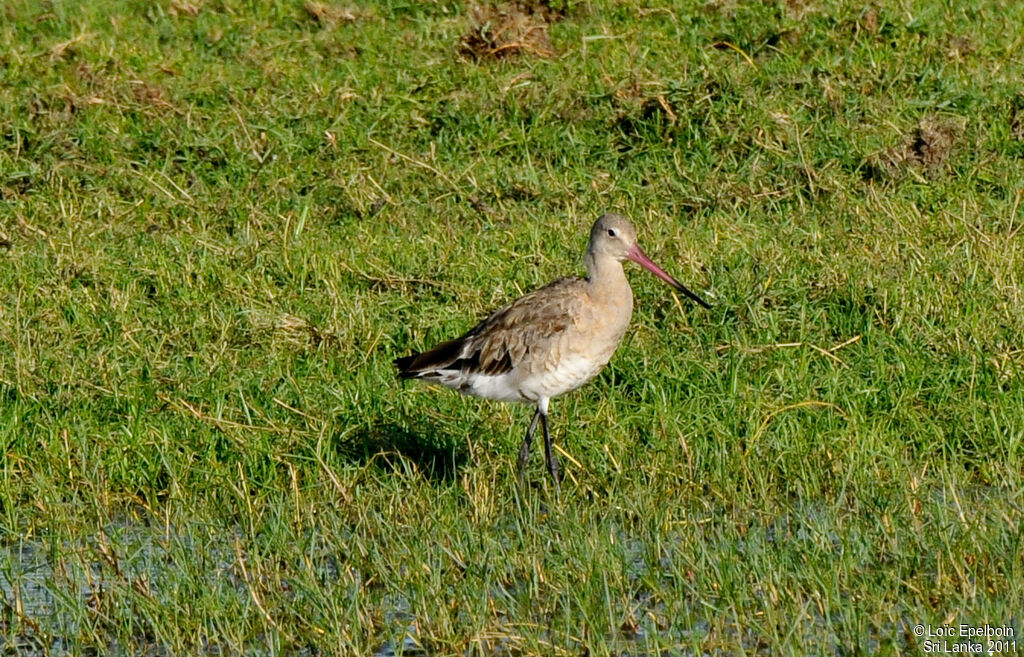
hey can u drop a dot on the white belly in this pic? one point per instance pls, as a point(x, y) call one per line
point(501, 387)
point(570, 373)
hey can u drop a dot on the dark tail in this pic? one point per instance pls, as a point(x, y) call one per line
point(404, 365)
point(442, 356)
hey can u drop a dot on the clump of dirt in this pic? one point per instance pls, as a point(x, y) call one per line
point(960, 47)
point(870, 20)
point(328, 15)
point(185, 7)
point(800, 8)
point(1017, 118)
point(150, 94)
point(499, 31)
point(638, 101)
point(930, 146)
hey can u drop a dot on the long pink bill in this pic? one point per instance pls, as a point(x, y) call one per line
point(637, 255)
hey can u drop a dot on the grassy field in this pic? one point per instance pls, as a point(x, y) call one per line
point(220, 221)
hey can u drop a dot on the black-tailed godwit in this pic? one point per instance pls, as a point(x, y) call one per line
point(549, 342)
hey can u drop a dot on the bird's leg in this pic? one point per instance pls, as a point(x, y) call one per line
point(524, 451)
point(549, 456)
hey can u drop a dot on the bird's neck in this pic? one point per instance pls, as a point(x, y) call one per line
point(605, 276)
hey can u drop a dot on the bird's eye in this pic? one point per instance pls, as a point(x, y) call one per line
point(612, 232)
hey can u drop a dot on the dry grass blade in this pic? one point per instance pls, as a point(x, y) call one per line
point(789, 407)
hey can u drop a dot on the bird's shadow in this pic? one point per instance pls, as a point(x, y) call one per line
point(393, 446)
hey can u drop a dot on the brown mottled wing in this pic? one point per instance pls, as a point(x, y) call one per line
point(498, 343)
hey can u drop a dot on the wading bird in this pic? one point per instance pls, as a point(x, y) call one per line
point(549, 342)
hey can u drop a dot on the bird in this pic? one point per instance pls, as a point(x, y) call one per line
point(550, 341)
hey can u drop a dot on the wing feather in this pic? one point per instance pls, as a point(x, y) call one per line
point(496, 344)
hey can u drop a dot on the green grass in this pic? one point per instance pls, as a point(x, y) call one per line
point(219, 229)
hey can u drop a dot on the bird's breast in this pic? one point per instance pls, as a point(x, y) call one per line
point(577, 355)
